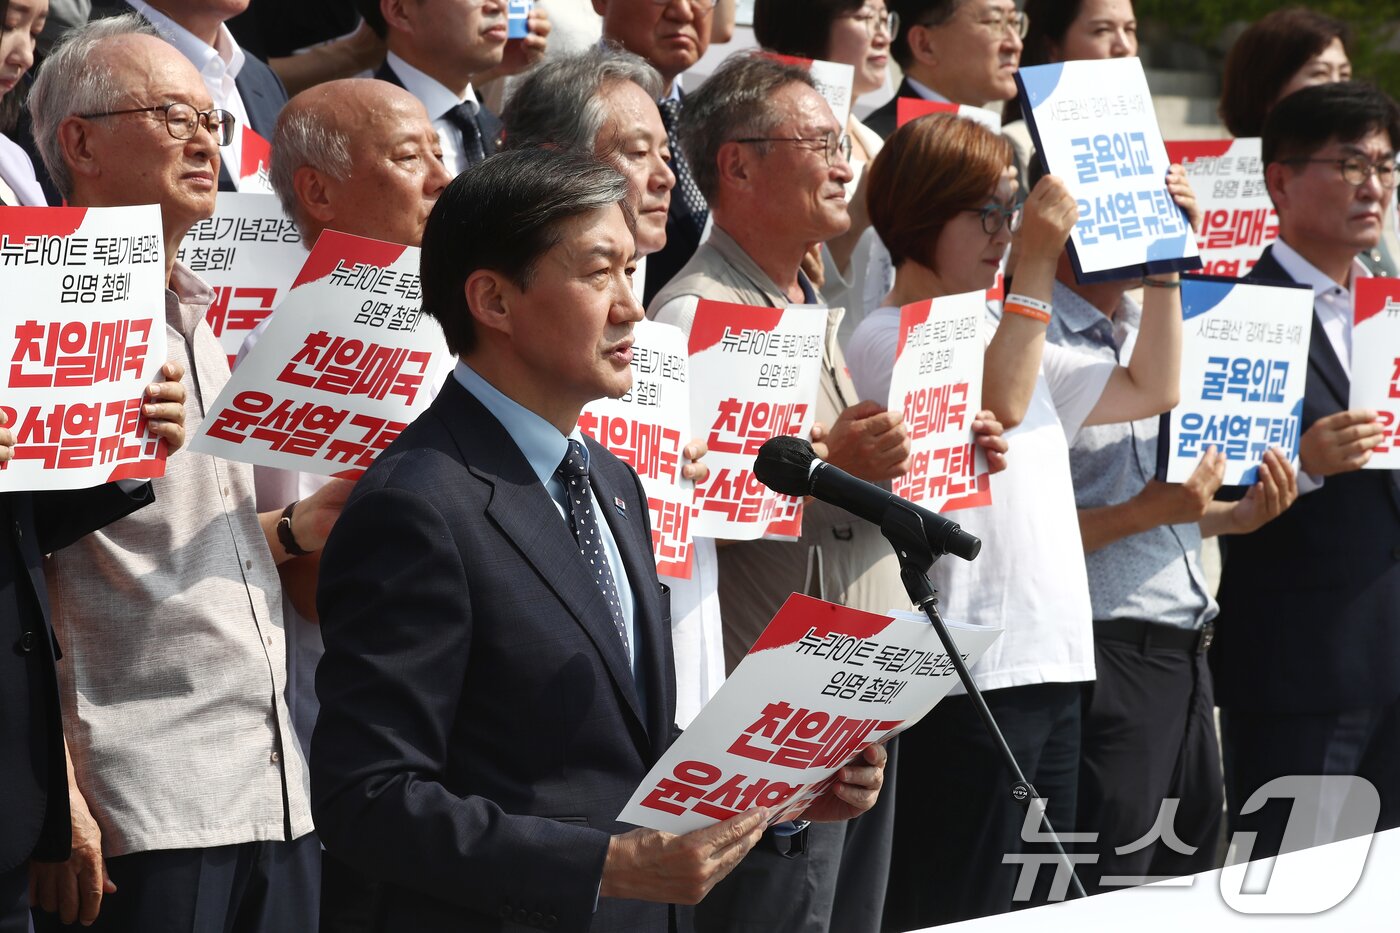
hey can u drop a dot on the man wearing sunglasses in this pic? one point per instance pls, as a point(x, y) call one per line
point(957, 51)
point(1307, 656)
point(174, 671)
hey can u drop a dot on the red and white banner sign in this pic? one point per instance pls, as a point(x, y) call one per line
point(1375, 363)
point(834, 82)
point(911, 108)
point(344, 366)
point(754, 375)
point(821, 683)
point(937, 383)
point(649, 428)
point(249, 253)
point(83, 337)
point(1237, 217)
point(255, 161)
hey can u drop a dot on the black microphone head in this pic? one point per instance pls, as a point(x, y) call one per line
point(784, 465)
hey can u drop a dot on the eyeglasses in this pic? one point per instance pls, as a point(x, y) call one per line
point(828, 143)
point(996, 216)
point(1355, 170)
point(873, 19)
point(701, 7)
point(998, 21)
point(182, 121)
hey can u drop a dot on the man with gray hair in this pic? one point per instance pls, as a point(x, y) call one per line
point(770, 158)
point(174, 671)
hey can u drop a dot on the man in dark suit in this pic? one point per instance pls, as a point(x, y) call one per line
point(671, 37)
point(954, 51)
point(435, 47)
point(1307, 653)
point(35, 818)
point(237, 82)
point(498, 671)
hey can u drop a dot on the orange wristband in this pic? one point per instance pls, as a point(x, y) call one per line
point(1025, 310)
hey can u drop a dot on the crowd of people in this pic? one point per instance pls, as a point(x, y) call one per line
point(238, 698)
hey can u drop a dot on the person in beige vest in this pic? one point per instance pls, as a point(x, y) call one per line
point(772, 200)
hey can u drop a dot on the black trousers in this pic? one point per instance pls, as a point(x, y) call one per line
point(1148, 737)
point(252, 887)
point(14, 900)
point(957, 820)
point(1260, 747)
point(836, 884)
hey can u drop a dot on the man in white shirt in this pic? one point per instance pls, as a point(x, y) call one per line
point(237, 82)
point(1307, 654)
point(956, 51)
point(435, 47)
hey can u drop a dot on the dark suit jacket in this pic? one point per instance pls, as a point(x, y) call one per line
point(488, 122)
point(1310, 603)
point(33, 778)
point(480, 729)
point(883, 119)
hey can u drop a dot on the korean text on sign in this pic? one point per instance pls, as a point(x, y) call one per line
point(937, 384)
point(249, 253)
point(341, 369)
point(649, 428)
point(1375, 363)
point(1237, 217)
point(84, 336)
point(1095, 127)
point(821, 683)
point(1243, 370)
point(754, 375)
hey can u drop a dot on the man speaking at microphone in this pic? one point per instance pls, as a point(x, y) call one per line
point(498, 672)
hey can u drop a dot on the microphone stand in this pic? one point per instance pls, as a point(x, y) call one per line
point(903, 528)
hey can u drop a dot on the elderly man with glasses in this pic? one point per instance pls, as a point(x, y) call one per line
point(959, 51)
point(174, 671)
point(770, 157)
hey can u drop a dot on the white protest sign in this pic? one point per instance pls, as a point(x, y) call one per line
point(911, 108)
point(1244, 362)
point(1095, 128)
point(249, 253)
point(821, 683)
point(833, 80)
point(1375, 363)
point(1237, 218)
point(648, 428)
point(754, 374)
point(937, 383)
point(83, 338)
point(343, 366)
point(255, 161)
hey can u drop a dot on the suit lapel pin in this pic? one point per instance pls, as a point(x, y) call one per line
point(621, 506)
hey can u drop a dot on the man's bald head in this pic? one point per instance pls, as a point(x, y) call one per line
point(360, 157)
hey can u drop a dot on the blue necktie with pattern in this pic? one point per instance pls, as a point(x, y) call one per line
point(573, 472)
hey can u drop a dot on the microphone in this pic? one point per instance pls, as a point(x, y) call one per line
point(790, 466)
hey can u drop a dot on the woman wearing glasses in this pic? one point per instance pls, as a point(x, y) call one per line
point(856, 33)
point(955, 817)
point(22, 20)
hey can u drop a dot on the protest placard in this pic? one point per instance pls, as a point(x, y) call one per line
point(937, 383)
point(1375, 363)
point(649, 428)
point(821, 683)
point(1237, 217)
point(833, 81)
point(911, 108)
point(518, 18)
point(84, 337)
point(345, 364)
point(249, 253)
point(1094, 126)
point(255, 162)
point(754, 374)
point(1244, 362)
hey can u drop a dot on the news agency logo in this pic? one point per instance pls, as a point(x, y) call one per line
point(1327, 808)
